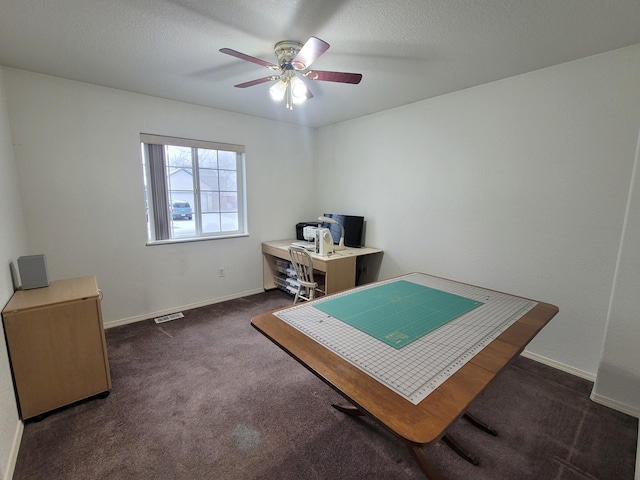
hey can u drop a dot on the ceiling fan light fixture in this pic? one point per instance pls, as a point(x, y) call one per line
point(293, 58)
point(278, 90)
point(298, 90)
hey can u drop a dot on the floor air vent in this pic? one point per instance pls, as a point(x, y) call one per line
point(167, 318)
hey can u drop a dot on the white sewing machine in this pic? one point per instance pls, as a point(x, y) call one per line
point(324, 241)
point(321, 239)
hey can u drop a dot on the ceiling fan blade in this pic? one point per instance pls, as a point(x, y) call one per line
point(249, 58)
point(309, 52)
point(257, 81)
point(341, 77)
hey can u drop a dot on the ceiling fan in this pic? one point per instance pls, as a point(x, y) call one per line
point(294, 58)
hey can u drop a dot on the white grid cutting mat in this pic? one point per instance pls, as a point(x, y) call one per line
point(417, 369)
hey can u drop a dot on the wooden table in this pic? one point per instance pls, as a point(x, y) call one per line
point(416, 425)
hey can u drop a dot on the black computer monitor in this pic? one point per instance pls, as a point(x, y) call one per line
point(353, 229)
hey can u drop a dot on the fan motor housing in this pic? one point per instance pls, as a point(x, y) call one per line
point(286, 51)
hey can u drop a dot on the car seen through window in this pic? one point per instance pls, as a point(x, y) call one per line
point(181, 210)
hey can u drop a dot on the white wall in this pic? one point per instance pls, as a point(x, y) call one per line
point(618, 381)
point(518, 185)
point(78, 158)
point(12, 245)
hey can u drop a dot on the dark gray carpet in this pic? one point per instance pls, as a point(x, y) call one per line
point(208, 397)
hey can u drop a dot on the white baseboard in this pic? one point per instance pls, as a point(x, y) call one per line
point(607, 402)
point(147, 316)
point(614, 404)
point(560, 366)
point(602, 400)
point(13, 454)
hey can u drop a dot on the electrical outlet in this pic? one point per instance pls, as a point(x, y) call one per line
point(221, 272)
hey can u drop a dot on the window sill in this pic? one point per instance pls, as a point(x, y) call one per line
point(194, 239)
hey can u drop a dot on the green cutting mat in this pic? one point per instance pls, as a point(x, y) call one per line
point(397, 313)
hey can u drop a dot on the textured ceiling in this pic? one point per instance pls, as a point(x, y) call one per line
point(406, 50)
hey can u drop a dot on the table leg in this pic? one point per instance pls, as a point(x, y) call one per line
point(350, 410)
point(480, 424)
point(459, 449)
point(429, 471)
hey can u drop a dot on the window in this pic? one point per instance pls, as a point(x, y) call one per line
point(194, 189)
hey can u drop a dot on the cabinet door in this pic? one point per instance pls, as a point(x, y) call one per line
point(57, 355)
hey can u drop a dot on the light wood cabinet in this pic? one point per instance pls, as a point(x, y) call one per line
point(56, 343)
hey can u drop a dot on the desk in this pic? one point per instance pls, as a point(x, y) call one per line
point(419, 424)
point(339, 269)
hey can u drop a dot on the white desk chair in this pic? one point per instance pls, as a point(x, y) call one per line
point(303, 265)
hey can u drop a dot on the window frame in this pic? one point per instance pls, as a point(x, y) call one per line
point(163, 190)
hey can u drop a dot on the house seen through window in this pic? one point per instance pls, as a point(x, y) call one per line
point(194, 189)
